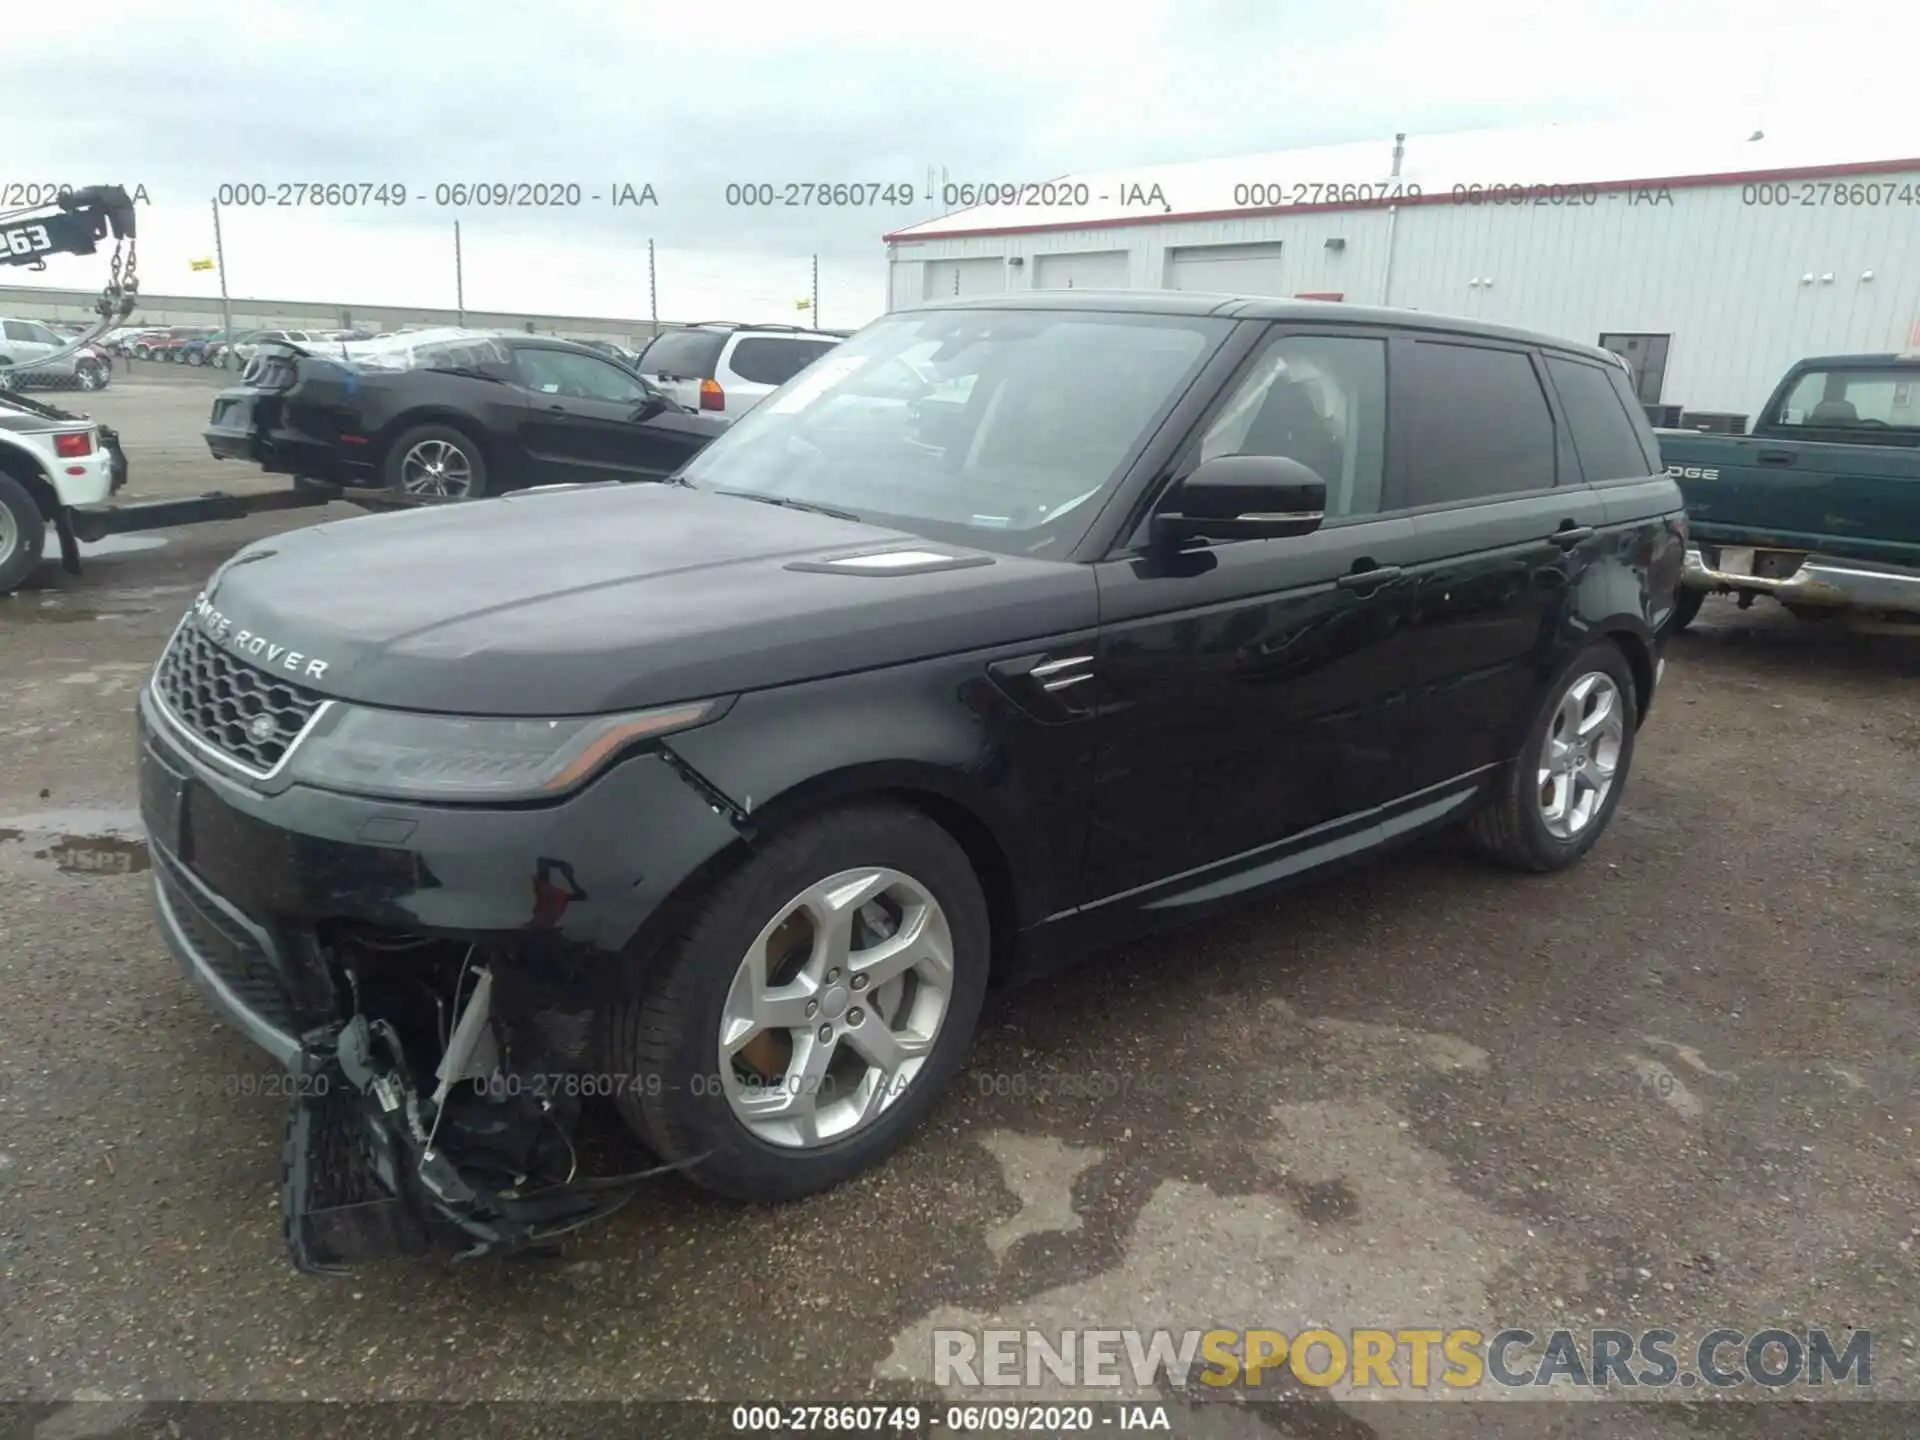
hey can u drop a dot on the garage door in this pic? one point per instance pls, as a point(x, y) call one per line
point(1097, 270)
point(1232, 269)
point(948, 278)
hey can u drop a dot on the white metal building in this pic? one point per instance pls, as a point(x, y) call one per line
point(1710, 262)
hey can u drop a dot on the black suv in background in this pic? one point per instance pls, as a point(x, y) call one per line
point(1010, 629)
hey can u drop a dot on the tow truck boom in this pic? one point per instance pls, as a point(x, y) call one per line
point(31, 494)
point(76, 225)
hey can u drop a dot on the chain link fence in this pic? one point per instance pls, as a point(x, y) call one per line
point(85, 370)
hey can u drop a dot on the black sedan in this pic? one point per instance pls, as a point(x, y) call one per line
point(453, 418)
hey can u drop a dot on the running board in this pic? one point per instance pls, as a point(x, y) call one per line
point(96, 522)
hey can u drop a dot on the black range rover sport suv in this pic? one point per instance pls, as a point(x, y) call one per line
point(1010, 629)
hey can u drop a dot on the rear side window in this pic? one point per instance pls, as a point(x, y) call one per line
point(684, 354)
point(1642, 429)
point(1478, 424)
point(1603, 433)
point(774, 362)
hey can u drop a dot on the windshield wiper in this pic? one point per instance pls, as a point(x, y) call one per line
point(789, 504)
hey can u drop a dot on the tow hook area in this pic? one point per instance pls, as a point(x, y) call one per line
point(387, 1153)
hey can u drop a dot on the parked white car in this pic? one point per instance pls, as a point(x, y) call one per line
point(24, 348)
point(727, 369)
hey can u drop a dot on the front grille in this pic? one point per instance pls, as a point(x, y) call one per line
point(220, 699)
point(224, 947)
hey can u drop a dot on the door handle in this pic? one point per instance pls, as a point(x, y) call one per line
point(1568, 536)
point(1369, 579)
point(1775, 457)
point(558, 409)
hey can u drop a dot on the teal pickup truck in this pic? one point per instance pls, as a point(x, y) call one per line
point(1819, 506)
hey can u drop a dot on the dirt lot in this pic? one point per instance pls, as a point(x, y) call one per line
point(1675, 1087)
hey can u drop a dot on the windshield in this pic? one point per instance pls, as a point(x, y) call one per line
point(1001, 429)
point(1846, 399)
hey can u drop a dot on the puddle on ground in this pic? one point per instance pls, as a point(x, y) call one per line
point(50, 614)
point(107, 545)
point(82, 842)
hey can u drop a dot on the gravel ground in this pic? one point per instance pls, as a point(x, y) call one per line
point(1675, 1087)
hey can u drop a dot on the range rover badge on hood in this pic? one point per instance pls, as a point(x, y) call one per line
point(255, 647)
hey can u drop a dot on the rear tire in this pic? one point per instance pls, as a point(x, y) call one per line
point(23, 531)
point(668, 1043)
point(1516, 825)
point(410, 473)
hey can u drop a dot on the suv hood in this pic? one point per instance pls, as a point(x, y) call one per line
point(606, 598)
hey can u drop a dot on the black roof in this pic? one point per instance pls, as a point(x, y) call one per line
point(1257, 307)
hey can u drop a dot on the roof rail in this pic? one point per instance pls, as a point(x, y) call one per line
point(747, 325)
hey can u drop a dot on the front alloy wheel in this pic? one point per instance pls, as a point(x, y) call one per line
point(811, 1006)
point(835, 1007)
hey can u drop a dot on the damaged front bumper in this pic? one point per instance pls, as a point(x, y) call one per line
point(373, 1167)
point(1815, 580)
point(433, 978)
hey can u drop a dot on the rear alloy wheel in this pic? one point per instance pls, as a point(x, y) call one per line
point(812, 1011)
point(23, 530)
point(87, 375)
point(435, 463)
point(8, 380)
point(1552, 804)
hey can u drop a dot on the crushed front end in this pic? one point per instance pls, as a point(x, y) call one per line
point(443, 1111)
point(432, 976)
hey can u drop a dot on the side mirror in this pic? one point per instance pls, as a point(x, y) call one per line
point(654, 404)
point(1242, 497)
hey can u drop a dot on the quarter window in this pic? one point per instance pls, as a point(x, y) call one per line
point(1604, 436)
point(1317, 399)
point(774, 362)
point(1478, 424)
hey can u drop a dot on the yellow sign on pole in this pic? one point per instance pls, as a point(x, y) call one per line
point(803, 304)
point(206, 264)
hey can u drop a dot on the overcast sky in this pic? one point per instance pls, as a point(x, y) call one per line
point(182, 96)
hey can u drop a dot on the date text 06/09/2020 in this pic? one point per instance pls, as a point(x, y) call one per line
point(441, 194)
point(35, 194)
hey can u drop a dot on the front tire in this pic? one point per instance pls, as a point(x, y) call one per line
point(1553, 803)
point(23, 531)
point(812, 1009)
point(435, 463)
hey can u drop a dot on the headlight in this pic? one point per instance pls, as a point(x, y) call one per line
point(400, 755)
